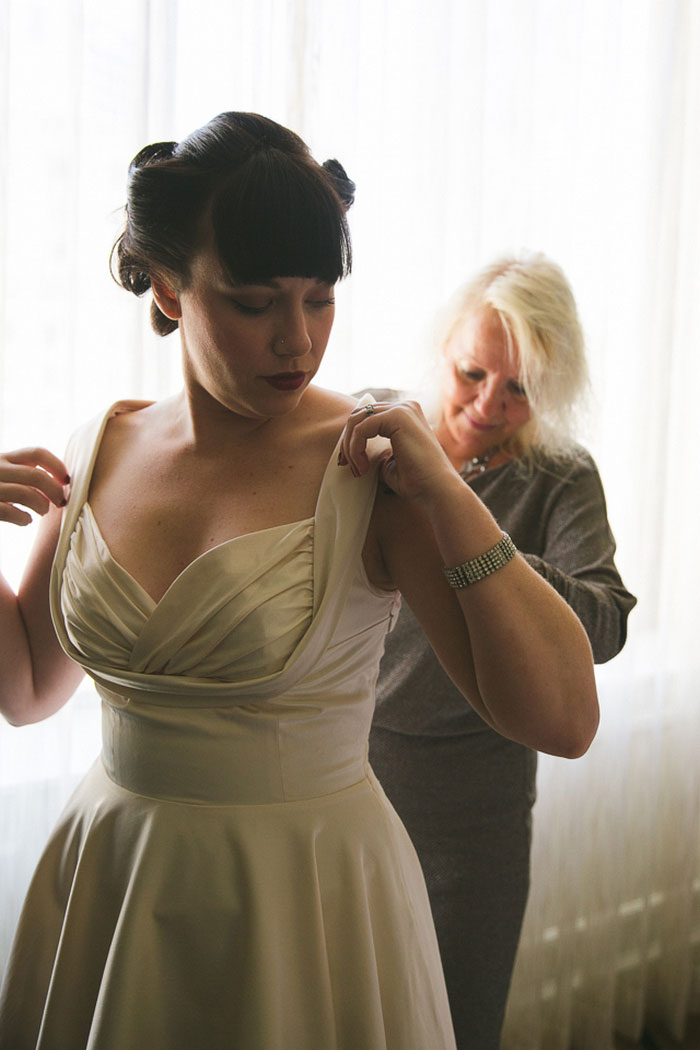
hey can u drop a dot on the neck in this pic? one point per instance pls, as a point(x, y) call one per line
point(455, 453)
point(200, 424)
point(478, 464)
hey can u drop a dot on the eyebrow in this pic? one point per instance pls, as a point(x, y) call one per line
point(254, 284)
point(470, 365)
point(273, 282)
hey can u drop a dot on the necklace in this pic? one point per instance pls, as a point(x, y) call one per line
point(478, 464)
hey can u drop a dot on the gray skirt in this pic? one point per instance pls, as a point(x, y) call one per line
point(466, 803)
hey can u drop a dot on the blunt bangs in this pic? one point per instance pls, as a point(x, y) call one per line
point(279, 216)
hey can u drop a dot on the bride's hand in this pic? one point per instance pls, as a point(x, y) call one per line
point(415, 466)
point(32, 478)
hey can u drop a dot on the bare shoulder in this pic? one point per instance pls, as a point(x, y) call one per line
point(130, 417)
point(324, 415)
point(131, 421)
point(329, 405)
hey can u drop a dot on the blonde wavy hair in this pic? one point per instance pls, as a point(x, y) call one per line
point(537, 309)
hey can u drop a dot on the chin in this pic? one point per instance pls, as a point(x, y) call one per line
point(476, 442)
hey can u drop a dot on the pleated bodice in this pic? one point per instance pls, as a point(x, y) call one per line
point(252, 679)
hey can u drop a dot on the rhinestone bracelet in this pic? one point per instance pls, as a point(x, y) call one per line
point(477, 568)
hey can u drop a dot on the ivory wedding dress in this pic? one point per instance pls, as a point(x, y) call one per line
point(229, 875)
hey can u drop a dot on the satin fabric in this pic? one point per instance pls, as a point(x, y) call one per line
point(230, 873)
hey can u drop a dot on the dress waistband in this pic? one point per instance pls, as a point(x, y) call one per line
point(238, 755)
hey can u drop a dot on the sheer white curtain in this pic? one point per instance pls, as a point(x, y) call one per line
point(471, 127)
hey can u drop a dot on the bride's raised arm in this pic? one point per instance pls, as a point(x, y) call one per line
point(510, 643)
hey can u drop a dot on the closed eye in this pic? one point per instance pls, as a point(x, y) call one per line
point(249, 308)
point(471, 375)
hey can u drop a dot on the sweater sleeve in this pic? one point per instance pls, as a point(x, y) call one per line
point(577, 558)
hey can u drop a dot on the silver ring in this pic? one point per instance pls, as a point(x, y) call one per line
point(369, 410)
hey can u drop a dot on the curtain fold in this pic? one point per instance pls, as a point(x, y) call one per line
point(472, 128)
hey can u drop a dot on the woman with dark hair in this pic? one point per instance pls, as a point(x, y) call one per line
point(226, 567)
point(512, 375)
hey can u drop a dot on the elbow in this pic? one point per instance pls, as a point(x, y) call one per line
point(25, 713)
point(18, 717)
point(16, 721)
point(581, 712)
point(569, 743)
point(579, 733)
point(13, 712)
point(566, 727)
point(563, 735)
point(578, 746)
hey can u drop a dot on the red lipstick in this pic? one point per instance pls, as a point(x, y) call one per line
point(286, 380)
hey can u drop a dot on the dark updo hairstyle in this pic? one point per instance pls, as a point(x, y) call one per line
point(272, 209)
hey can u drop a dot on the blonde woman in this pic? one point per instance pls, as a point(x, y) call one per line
point(513, 373)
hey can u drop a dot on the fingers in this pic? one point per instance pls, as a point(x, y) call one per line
point(388, 473)
point(33, 478)
point(385, 418)
point(14, 516)
point(415, 466)
point(38, 457)
point(363, 423)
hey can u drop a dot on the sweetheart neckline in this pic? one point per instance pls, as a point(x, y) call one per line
point(195, 561)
